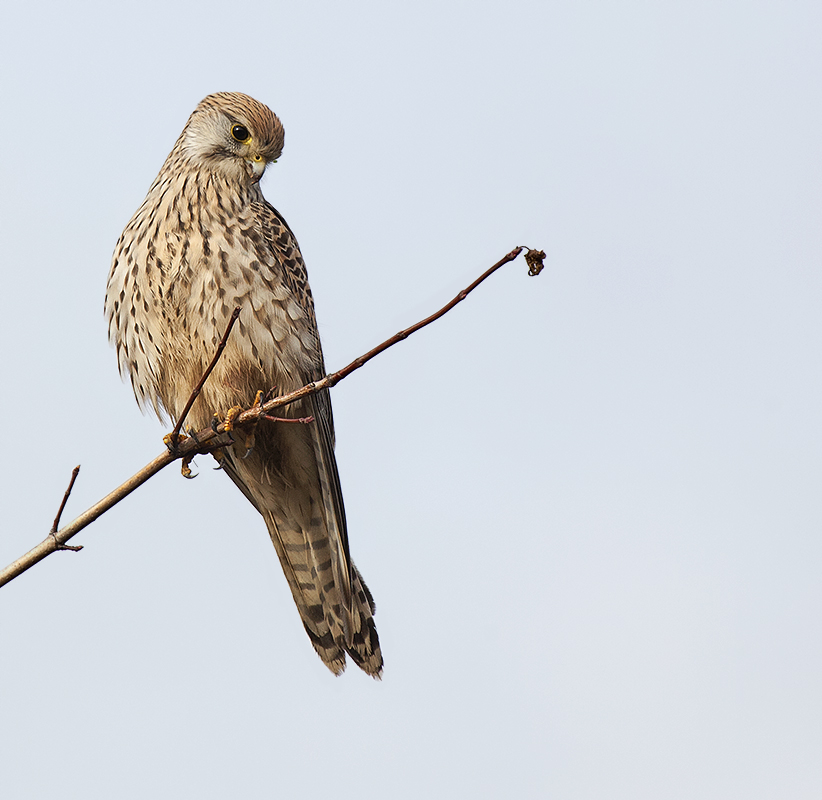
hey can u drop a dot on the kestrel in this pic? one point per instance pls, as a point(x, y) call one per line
point(203, 242)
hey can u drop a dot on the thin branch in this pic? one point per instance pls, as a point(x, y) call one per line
point(335, 377)
point(54, 541)
point(74, 473)
point(172, 438)
point(210, 439)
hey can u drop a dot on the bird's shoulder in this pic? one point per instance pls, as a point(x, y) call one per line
point(280, 239)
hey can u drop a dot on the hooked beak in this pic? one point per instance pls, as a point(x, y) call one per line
point(257, 164)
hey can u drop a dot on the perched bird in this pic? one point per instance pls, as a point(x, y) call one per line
point(203, 242)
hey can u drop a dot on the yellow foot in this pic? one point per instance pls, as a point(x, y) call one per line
point(233, 413)
point(258, 400)
point(172, 442)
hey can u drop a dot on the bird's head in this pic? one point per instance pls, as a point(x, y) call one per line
point(233, 134)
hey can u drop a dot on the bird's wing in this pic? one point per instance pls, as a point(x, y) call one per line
point(282, 241)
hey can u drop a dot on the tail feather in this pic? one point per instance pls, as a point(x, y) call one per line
point(281, 479)
point(365, 645)
point(298, 560)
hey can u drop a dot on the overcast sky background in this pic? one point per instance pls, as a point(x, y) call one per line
point(587, 504)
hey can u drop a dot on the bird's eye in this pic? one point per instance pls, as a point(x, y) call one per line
point(240, 133)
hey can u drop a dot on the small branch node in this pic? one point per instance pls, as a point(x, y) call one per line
point(75, 548)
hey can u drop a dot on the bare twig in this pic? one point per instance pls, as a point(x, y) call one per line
point(335, 377)
point(172, 438)
point(74, 473)
point(212, 438)
point(53, 541)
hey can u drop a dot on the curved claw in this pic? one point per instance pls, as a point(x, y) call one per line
point(249, 446)
point(185, 470)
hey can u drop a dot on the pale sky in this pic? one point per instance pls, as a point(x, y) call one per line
point(587, 504)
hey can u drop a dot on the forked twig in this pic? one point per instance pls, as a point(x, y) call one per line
point(212, 438)
point(74, 473)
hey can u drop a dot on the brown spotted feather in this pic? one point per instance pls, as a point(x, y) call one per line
point(203, 242)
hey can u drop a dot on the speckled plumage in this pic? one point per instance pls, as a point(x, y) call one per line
point(203, 242)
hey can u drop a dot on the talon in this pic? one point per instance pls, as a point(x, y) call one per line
point(215, 423)
point(250, 440)
point(233, 413)
point(184, 468)
point(218, 454)
point(258, 400)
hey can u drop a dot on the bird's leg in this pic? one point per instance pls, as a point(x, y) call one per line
point(173, 441)
point(252, 428)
